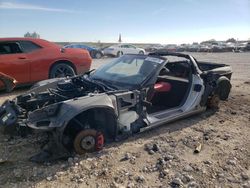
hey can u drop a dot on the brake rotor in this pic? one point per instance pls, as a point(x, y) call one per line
point(88, 141)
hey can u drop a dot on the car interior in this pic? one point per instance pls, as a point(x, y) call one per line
point(9, 48)
point(171, 87)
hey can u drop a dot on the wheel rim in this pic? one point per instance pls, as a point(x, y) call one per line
point(63, 71)
point(98, 56)
point(141, 53)
point(88, 142)
point(85, 141)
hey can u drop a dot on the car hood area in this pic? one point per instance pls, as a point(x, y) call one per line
point(64, 97)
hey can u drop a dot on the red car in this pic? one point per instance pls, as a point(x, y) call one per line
point(29, 60)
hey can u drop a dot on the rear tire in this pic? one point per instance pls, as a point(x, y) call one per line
point(8, 87)
point(213, 102)
point(224, 88)
point(119, 54)
point(61, 70)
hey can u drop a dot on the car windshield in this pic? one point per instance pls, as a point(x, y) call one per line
point(127, 71)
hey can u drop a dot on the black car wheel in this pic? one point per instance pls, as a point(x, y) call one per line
point(119, 54)
point(224, 88)
point(88, 140)
point(98, 55)
point(61, 70)
point(141, 52)
point(213, 102)
point(9, 85)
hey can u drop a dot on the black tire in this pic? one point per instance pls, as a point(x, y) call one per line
point(141, 53)
point(61, 70)
point(87, 141)
point(8, 85)
point(98, 55)
point(119, 54)
point(213, 102)
point(92, 54)
point(6, 88)
point(223, 89)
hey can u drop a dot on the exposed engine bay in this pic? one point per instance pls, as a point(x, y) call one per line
point(65, 89)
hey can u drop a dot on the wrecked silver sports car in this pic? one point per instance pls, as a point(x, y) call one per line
point(132, 94)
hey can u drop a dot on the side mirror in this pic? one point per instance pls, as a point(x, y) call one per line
point(162, 87)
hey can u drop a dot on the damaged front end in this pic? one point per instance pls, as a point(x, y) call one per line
point(49, 107)
point(40, 105)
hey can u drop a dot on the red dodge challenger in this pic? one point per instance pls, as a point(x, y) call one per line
point(28, 60)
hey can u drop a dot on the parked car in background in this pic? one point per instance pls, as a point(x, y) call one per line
point(181, 48)
point(247, 47)
point(240, 46)
point(171, 47)
point(153, 47)
point(205, 48)
point(193, 47)
point(120, 49)
point(29, 60)
point(218, 47)
point(230, 46)
point(94, 52)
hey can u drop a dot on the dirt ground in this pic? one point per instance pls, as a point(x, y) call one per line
point(163, 157)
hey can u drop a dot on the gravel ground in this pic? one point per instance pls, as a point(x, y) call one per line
point(163, 157)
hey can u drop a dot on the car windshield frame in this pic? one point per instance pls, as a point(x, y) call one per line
point(149, 64)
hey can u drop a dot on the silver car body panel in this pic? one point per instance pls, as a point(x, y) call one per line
point(190, 106)
point(71, 108)
point(121, 104)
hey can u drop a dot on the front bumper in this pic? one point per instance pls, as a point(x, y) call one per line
point(13, 115)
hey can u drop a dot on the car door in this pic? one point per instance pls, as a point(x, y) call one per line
point(133, 49)
point(37, 57)
point(14, 62)
point(125, 49)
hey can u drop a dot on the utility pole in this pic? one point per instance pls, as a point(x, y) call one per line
point(120, 38)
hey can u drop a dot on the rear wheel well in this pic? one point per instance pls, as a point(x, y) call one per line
point(100, 119)
point(63, 62)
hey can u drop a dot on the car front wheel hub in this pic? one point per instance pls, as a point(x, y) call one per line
point(88, 142)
